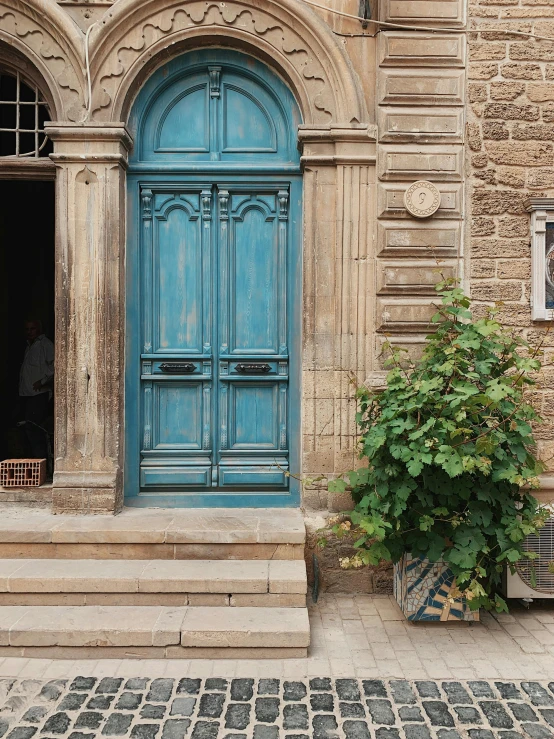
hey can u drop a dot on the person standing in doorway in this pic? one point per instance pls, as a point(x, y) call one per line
point(35, 386)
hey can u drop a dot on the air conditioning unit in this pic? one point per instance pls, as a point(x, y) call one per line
point(533, 578)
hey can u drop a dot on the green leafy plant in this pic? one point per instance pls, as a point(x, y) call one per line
point(450, 454)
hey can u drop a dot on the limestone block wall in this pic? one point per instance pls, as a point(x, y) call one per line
point(509, 157)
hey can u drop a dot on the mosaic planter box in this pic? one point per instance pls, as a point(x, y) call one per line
point(422, 591)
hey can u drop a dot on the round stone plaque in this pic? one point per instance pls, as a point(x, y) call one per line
point(422, 199)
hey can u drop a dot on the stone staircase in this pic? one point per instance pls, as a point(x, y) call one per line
point(154, 583)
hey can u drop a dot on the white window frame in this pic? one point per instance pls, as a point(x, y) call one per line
point(542, 212)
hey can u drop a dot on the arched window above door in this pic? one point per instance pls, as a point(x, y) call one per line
point(216, 110)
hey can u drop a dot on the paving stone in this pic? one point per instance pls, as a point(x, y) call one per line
point(427, 689)
point(456, 693)
point(4, 726)
point(448, 734)
point(347, 690)
point(380, 711)
point(269, 686)
point(510, 735)
point(539, 696)
point(137, 683)
point(83, 683)
point(183, 706)
point(22, 732)
point(100, 702)
point(267, 710)
point(294, 691)
point(322, 702)
point(295, 716)
point(386, 733)
point(321, 683)
point(129, 701)
point(351, 710)
point(508, 691)
point(35, 714)
point(523, 712)
point(81, 735)
point(356, 730)
point(216, 683)
point(416, 731)
point(536, 731)
point(438, 713)
point(266, 732)
point(410, 713)
point(547, 714)
point(481, 689)
point(58, 723)
point(480, 734)
point(175, 728)
point(205, 730)
point(117, 724)
point(237, 716)
point(242, 689)
point(324, 727)
point(109, 685)
point(468, 715)
point(89, 720)
point(374, 688)
point(160, 690)
point(72, 701)
point(145, 731)
point(152, 710)
point(189, 685)
point(402, 692)
point(211, 705)
point(496, 714)
point(52, 690)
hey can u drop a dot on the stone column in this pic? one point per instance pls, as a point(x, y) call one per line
point(90, 314)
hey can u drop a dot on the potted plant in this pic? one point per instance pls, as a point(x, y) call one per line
point(449, 460)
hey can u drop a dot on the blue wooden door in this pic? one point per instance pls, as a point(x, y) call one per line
point(213, 289)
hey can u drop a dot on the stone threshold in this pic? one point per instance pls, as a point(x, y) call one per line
point(157, 526)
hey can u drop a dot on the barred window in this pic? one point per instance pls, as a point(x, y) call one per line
point(23, 112)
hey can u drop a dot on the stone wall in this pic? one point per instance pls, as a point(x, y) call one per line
point(509, 157)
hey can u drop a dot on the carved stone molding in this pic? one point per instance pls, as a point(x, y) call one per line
point(286, 34)
point(44, 34)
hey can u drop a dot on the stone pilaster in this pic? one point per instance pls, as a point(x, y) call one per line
point(339, 221)
point(90, 238)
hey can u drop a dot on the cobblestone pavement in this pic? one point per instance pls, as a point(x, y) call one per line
point(269, 708)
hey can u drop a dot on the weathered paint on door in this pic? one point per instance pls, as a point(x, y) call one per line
point(214, 287)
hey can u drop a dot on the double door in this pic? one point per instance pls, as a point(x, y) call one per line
point(217, 278)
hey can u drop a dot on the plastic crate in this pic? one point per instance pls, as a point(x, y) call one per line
point(20, 473)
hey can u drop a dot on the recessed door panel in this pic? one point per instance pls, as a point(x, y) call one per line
point(254, 415)
point(177, 277)
point(178, 415)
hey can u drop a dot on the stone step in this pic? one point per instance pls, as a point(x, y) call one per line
point(156, 533)
point(254, 583)
point(153, 631)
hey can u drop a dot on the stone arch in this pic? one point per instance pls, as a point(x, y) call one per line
point(135, 37)
point(45, 36)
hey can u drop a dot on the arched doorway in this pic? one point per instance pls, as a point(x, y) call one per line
point(27, 263)
point(213, 286)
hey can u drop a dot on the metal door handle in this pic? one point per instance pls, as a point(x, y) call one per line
point(253, 369)
point(178, 368)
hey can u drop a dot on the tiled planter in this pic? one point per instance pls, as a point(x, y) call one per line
point(422, 590)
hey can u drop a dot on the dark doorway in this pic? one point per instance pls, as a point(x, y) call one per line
point(27, 292)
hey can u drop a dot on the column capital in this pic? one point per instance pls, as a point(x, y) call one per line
point(335, 145)
point(90, 142)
